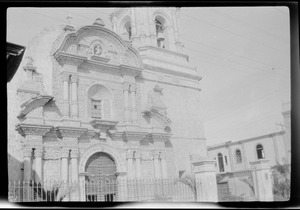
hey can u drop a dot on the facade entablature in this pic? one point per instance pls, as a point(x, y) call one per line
point(153, 74)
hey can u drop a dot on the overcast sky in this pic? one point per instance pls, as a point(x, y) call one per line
point(242, 53)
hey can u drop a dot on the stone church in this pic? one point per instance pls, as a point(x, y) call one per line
point(92, 101)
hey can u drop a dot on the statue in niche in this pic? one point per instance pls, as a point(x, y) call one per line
point(98, 50)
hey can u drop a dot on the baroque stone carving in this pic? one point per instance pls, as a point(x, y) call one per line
point(156, 108)
point(38, 152)
point(29, 129)
point(70, 132)
point(27, 151)
point(52, 153)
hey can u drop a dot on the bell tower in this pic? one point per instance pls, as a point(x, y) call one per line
point(152, 26)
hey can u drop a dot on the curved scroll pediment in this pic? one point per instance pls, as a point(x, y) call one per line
point(100, 45)
point(34, 103)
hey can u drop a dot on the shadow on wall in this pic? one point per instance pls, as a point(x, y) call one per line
point(31, 191)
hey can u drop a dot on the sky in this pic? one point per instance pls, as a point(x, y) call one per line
point(242, 54)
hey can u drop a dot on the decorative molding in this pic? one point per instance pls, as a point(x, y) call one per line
point(74, 132)
point(100, 147)
point(27, 151)
point(160, 137)
point(65, 76)
point(69, 59)
point(31, 129)
point(74, 78)
point(52, 153)
point(134, 136)
point(132, 87)
point(64, 152)
point(74, 153)
point(38, 152)
point(126, 86)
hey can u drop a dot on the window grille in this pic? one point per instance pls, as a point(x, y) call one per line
point(260, 152)
point(96, 109)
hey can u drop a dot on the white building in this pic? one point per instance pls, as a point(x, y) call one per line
point(237, 155)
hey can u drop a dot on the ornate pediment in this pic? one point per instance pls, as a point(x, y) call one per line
point(101, 45)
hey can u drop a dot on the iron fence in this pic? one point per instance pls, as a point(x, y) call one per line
point(137, 190)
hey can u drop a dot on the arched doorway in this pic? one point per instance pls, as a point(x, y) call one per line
point(100, 182)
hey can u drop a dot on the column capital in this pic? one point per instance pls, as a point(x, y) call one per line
point(27, 151)
point(126, 86)
point(129, 154)
point(155, 155)
point(74, 78)
point(65, 76)
point(70, 131)
point(38, 152)
point(162, 155)
point(31, 129)
point(74, 153)
point(132, 87)
point(64, 152)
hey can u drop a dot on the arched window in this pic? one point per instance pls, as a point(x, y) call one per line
point(238, 156)
point(127, 31)
point(99, 99)
point(160, 33)
point(221, 163)
point(260, 152)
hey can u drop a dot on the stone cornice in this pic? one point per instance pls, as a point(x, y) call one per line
point(63, 131)
point(31, 129)
point(134, 136)
point(163, 137)
point(164, 51)
point(70, 59)
point(171, 72)
point(117, 69)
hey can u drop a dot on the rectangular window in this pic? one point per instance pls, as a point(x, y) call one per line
point(226, 160)
point(96, 110)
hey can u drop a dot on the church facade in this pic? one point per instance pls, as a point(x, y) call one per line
point(92, 101)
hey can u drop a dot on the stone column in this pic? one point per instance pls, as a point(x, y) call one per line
point(65, 78)
point(126, 102)
point(138, 165)
point(27, 163)
point(38, 153)
point(157, 174)
point(129, 165)
point(163, 165)
point(74, 102)
point(262, 180)
point(122, 193)
point(64, 165)
point(205, 175)
point(74, 174)
point(133, 102)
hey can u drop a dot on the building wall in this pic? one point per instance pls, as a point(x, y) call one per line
point(273, 145)
point(180, 94)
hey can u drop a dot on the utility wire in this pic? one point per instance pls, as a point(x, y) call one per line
point(243, 23)
point(228, 31)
